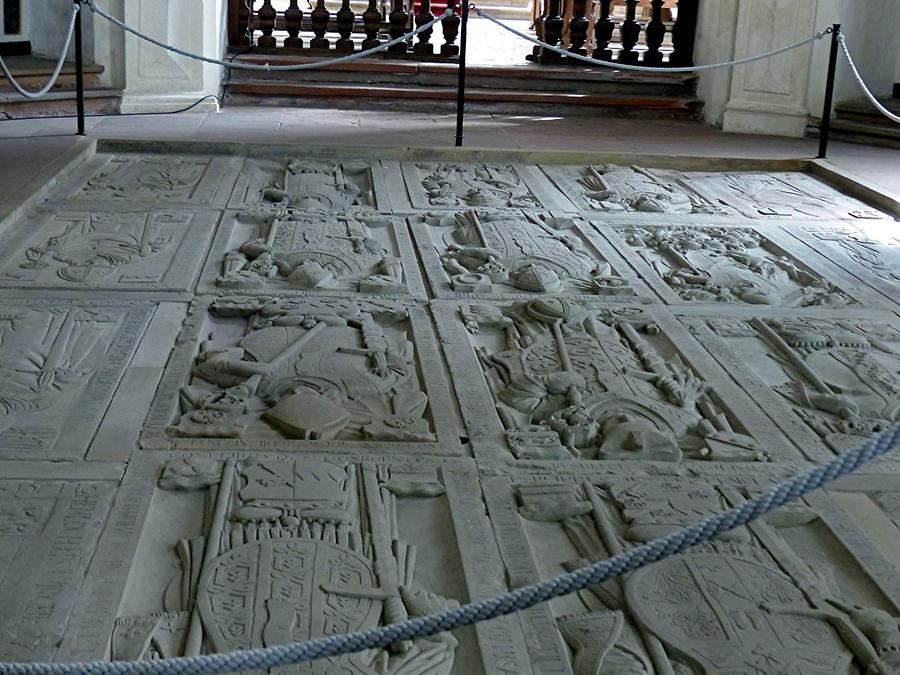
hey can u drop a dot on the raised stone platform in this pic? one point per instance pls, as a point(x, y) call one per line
point(253, 395)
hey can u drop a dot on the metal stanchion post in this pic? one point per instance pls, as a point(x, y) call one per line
point(79, 71)
point(461, 90)
point(825, 127)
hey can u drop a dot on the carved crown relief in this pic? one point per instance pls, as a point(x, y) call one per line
point(747, 603)
point(614, 188)
point(727, 264)
point(571, 380)
point(447, 185)
point(311, 369)
point(511, 251)
point(296, 550)
point(841, 377)
point(778, 195)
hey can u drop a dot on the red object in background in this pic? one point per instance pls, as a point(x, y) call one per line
point(438, 7)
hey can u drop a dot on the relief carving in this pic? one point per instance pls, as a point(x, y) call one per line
point(778, 195)
point(570, 380)
point(298, 248)
point(307, 185)
point(615, 188)
point(147, 178)
point(483, 251)
point(840, 377)
point(309, 369)
point(746, 603)
point(296, 550)
point(725, 264)
point(471, 185)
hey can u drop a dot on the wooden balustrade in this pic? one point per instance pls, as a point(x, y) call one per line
point(636, 32)
point(276, 27)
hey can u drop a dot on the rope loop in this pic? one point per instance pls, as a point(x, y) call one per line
point(879, 106)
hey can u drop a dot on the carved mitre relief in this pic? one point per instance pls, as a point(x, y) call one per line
point(728, 264)
point(305, 369)
point(575, 380)
point(513, 252)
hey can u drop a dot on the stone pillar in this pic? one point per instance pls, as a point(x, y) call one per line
point(157, 80)
point(770, 96)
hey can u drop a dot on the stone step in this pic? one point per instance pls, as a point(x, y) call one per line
point(439, 98)
point(526, 77)
point(33, 72)
point(882, 135)
point(96, 101)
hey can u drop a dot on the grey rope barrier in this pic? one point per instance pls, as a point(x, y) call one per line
point(56, 72)
point(648, 69)
point(266, 67)
point(879, 106)
point(485, 610)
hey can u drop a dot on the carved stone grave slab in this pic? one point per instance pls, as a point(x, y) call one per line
point(447, 185)
point(687, 263)
point(558, 379)
point(802, 591)
point(173, 180)
point(631, 189)
point(242, 552)
point(311, 185)
point(828, 382)
point(286, 250)
point(158, 250)
point(778, 194)
point(511, 252)
point(48, 533)
point(304, 373)
point(869, 250)
point(60, 363)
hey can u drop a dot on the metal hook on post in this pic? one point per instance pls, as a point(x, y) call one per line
point(825, 126)
point(79, 71)
point(461, 87)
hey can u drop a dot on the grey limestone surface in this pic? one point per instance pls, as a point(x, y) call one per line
point(251, 397)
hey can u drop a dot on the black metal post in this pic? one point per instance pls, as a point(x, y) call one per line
point(461, 90)
point(825, 127)
point(79, 71)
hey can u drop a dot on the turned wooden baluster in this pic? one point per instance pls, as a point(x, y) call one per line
point(371, 24)
point(238, 24)
point(683, 33)
point(399, 22)
point(293, 22)
point(553, 28)
point(603, 32)
point(423, 46)
point(630, 32)
point(319, 19)
point(578, 27)
point(655, 33)
point(451, 30)
point(267, 15)
point(345, 19)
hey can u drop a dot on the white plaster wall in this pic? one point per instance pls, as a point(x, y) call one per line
point(716, 32)
point(48, 22)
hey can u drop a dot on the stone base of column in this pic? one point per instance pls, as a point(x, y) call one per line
point(160, 103)
point(785, 122)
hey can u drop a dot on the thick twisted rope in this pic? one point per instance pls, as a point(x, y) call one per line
point(862, 84)
point(267, 67)
point(484, 610)
point(59, 64)
point(648, 69)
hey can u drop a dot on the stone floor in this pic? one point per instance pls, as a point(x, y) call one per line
point(254, 394)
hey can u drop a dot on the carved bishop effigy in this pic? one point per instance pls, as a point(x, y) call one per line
point(758, 194)
point(512, 251)
point(615, 188)
point(841, 377)
point(766, 601)
point(293, 550)
point(574, 380)
point(728, 264)
point(306, 369)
